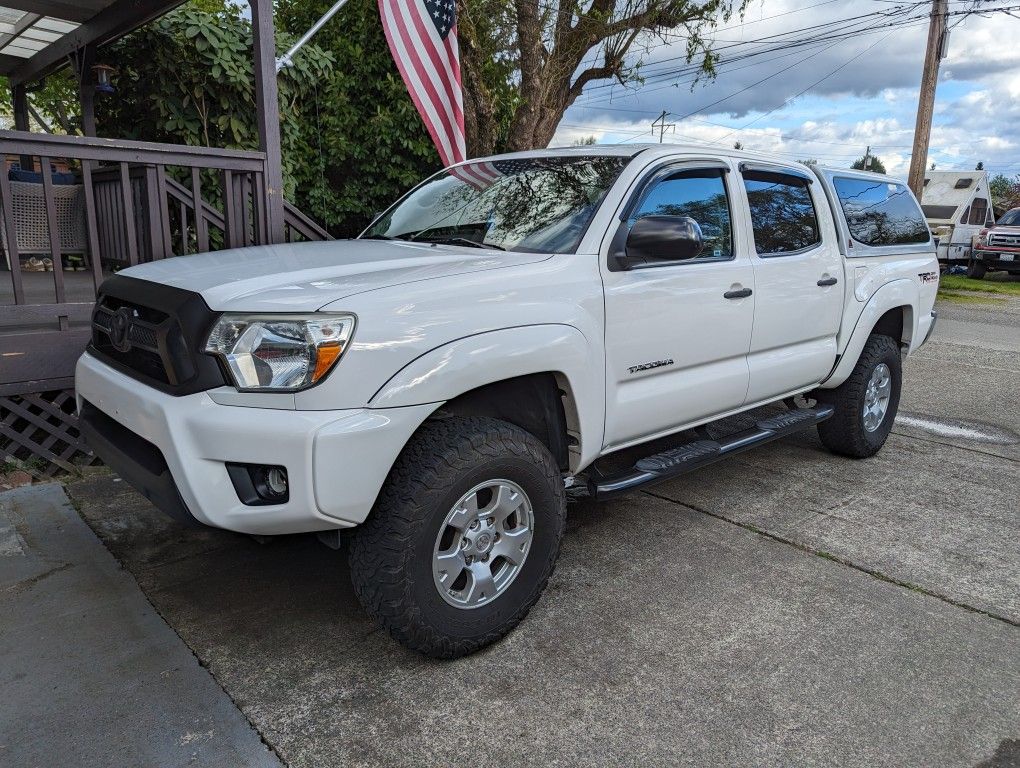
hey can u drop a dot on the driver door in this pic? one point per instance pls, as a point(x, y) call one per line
point(678, 333)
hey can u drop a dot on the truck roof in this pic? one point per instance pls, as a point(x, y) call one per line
point(665, 149)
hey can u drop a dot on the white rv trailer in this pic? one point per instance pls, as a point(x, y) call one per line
point(956, 205)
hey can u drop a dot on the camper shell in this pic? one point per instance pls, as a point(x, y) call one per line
point(957, 207)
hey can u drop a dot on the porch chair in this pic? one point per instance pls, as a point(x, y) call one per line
point(28, 206)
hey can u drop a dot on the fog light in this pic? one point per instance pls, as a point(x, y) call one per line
point(276, 482)
point(259, 484)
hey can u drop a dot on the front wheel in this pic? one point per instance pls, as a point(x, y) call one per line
point(865, 403)
point(463, 538)
point(976, 269)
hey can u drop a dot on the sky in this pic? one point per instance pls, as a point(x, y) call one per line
point(829, 100)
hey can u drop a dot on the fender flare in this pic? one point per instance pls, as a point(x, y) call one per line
point(892, 295)
point(464, 364)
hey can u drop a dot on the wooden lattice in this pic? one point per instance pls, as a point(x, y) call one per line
point(39, 433)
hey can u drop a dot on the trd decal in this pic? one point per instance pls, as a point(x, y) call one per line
point(928, 277)
point(649, 366)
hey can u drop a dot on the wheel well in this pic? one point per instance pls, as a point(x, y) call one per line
point(895, 323)
point(535, 403)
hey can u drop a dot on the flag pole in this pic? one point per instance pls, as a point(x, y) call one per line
point(287, 60)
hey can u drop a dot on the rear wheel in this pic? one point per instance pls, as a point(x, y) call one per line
point(976, 269)
point(865, 403)
point(463, 538)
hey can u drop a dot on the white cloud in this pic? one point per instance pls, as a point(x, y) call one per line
point(850, 102)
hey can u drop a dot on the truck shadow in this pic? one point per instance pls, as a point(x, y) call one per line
point(227, 593)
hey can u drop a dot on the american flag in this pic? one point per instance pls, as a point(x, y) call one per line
point(422, 35)
point(479, 175)
point(482, 175)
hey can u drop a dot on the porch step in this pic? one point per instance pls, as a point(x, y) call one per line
point(686, 458)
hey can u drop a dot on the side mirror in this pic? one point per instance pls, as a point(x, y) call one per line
point(655, 239)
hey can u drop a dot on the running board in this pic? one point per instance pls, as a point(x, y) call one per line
point(691, 456)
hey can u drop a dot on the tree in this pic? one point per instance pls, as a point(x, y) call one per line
point(352, 140)
point(523, 63)
point(1005, 191)
point(585, 141)
point(362, 141)
point(876, 166)
point(187, 77)
point(737, 145)
point(980, 166)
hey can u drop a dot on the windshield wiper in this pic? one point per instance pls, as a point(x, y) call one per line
point(463, 241)
point(378, 237)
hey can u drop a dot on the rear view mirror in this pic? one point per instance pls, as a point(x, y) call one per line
point(657, 239)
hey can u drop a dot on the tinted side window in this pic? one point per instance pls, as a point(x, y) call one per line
point(782, 213)
point(880, 212)
point(699, 194)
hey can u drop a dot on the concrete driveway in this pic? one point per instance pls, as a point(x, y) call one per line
point(785, 608)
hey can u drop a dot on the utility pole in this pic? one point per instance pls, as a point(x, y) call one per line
point(662, 125)
point(866, 165)
point(926, 103)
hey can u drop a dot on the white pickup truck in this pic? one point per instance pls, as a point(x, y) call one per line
point(443, 380)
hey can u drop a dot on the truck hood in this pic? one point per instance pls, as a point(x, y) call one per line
point(303, 277)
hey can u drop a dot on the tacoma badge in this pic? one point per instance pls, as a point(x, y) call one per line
point(649, 366)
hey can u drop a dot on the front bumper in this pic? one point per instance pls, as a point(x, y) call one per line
point(994, 259)
point(336, 460)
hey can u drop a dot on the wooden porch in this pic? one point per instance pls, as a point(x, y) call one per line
point(133, 202)
point(76, 209)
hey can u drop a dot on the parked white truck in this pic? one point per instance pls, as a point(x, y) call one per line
point(443, 380)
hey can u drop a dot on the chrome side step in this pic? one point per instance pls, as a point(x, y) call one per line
point(699, 453)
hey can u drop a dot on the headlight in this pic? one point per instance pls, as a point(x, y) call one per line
point(281, 352)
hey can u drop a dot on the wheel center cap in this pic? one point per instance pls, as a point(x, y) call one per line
point(483, 542)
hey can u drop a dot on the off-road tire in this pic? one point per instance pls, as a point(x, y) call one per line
point(844, 433)
point(976, 269)
point(391, 552)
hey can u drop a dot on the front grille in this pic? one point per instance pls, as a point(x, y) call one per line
point(130, 334)
point(1004, 240)
point(155, 333)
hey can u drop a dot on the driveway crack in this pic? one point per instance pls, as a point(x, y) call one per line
point(874, 573)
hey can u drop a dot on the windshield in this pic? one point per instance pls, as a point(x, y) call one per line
point(1010, 219)
point(538, 205)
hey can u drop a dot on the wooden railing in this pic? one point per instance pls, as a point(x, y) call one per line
point(96, 205)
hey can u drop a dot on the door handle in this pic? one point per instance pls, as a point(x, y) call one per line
point(827, 281)
point(743, 293)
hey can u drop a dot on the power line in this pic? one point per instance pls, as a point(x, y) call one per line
point(819, 81)
point(831, 31)
point(793, 47)
point(781, 44)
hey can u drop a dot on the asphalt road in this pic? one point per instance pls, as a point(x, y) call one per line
point(784, 608)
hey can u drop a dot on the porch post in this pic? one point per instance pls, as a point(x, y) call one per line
point(27, 162)
point(267, 110)
point(86, 89)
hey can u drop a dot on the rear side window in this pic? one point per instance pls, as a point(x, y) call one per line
point(782, 213)
point(880, 212)
point(699, 194)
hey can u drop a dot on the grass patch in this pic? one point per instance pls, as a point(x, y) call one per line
point(996, 283)
point(970, 297)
